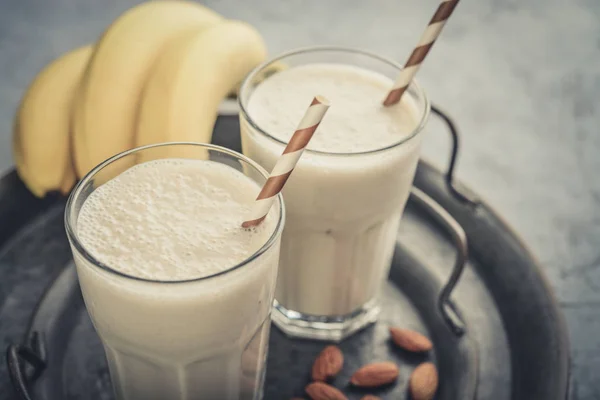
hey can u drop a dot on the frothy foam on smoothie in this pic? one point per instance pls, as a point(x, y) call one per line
point(172, 219)
point(356, 121)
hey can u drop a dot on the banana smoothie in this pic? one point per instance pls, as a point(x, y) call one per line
point(346, 195)
point(178, 292)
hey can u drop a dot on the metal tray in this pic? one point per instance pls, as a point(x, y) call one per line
point(497, 331)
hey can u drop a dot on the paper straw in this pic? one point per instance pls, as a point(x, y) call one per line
point(432, 32)
point(288, 160)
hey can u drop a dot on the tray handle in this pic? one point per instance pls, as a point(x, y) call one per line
point(26, 362)
point(456, 191)
point(457, 233)
point(459, 237)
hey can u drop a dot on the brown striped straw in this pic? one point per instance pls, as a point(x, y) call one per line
point(432, 32)
point(288, 160)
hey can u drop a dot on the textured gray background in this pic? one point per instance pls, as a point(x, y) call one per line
point(522, 78)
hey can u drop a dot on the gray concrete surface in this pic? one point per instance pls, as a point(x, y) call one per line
point(522, 78)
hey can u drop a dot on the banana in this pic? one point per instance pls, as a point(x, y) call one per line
point(41, 143)
point(107, 103)
point(187, 84)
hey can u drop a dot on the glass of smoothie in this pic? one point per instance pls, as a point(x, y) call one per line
point(179, 293)
point(348, 191)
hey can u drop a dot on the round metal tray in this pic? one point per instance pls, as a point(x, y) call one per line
point(497, 330)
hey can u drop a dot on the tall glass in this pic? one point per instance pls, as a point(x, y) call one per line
point(195, 339)
point(343, 211)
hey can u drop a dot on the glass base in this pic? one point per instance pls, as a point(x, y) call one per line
point(335, 328)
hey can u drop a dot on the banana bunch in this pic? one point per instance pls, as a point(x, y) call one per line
point(157, 74)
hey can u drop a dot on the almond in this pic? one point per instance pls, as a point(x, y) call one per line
point(423, 382)
point(370, 397)
point(328, 364)
point(410, 340)
point(323, 391)
point(376, 374)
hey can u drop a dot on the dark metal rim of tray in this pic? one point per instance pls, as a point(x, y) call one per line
point(536, 334)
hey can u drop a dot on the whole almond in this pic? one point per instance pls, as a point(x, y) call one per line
point(376, 374)
point(370, 397)
point(410, 340)
point(328, 364)
point(424, 382)
point(323, 391)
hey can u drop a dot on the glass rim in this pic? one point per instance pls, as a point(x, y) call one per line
point(70, 220)
point(413, 84)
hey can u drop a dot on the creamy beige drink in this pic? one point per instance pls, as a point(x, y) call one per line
point(179, 293)
point(346, 195)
